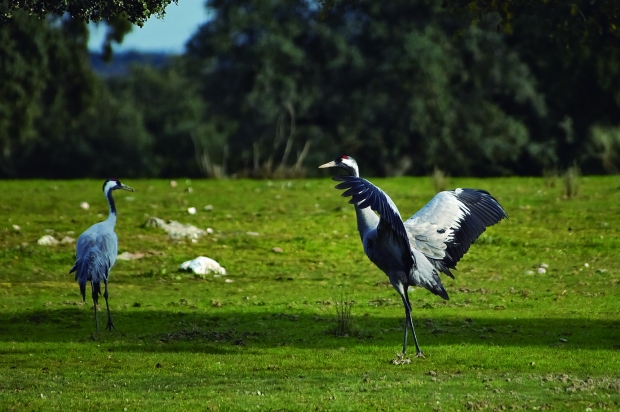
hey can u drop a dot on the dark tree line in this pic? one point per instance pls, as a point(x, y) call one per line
point(272, 88)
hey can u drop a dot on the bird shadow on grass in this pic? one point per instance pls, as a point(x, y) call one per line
point(221, 331)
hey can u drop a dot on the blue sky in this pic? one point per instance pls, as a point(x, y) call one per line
point(168, 34)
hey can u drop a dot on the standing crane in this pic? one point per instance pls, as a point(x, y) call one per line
point(96, 251)
point(413, 252)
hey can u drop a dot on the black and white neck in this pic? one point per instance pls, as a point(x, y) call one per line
point(108, 187)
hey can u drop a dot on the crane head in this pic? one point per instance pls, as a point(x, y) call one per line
point(114, 184)
point(343, 162)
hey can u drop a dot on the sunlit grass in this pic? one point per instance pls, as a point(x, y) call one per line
point(509, 337)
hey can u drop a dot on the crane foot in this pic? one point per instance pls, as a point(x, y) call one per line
point(419, 354)
point(110, 326)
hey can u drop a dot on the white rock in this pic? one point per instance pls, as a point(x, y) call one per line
point(228, 281)
point(16, 227)
point(173, 183)
point(202, 266)
point(84, 205)
point(209, 208)
point(47, 240)
point(209, 230)
point(542, 271)
point(67, 239)
point(251, 233)
point(175, 229)
point(191, 210)
point(586, 265)
point(544, 265)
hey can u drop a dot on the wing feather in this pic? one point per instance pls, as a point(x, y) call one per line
point(364, 194)
point(446, 227)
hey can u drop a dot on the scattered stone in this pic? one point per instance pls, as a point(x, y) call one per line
point(277, 249)
point(529, 272)
point(400, 359)
point(544, 266)
point(586, 265)
point(541, 271)
point(191, 210)
point(130, 256)
point(47, 240)
point(251, 233)
point(175, 229)
point(16, 227)
point(189, 190)
point(84, 205)
point(203, 266)
point(173, 183)
point(209, 230)
point(67, 239)
point(228, 281)
point(208, 208)
point(563, 340)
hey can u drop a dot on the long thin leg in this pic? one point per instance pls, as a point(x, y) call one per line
point(110, 325)
point(95, 306)
point(409, 323)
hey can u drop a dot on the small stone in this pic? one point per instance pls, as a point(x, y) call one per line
point(541, 271)
point(277, 249)
point(586, 265)
point(544, 265)
point(84, 205)
point(191, 210)
point(209, 230)
point(47, 240)
point(16, 227)
point(251, 233)
point(203, 265)
point(190, 190)
point(529, 272)
point(67, 239)
point(209, 208)
point(130, 256)
point(173, 183)
point(228, 281)
point(563, 340)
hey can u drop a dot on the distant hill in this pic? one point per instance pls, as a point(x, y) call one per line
point(122, 61)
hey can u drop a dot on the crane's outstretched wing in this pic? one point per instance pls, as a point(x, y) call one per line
point(445, 228)
point(365, 194)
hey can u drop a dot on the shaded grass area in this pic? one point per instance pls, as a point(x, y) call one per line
point(508, 338)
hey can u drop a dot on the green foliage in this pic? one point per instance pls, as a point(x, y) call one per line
point(266, 88)
point(386, 83)
point(46, 85)
point(508, 338)
point(135, 11)
point(577, 24)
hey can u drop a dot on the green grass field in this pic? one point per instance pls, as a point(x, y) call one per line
point(508, 338)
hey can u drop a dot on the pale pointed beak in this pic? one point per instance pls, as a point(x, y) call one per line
point(125, 187)
point(328, 164)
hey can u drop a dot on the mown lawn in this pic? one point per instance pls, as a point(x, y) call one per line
point(508, 338)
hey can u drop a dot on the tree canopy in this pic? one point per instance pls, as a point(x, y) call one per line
point(135, 11)
point(267, 87)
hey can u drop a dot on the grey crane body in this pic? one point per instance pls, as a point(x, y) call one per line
point(96, 252)
point(414, 252)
